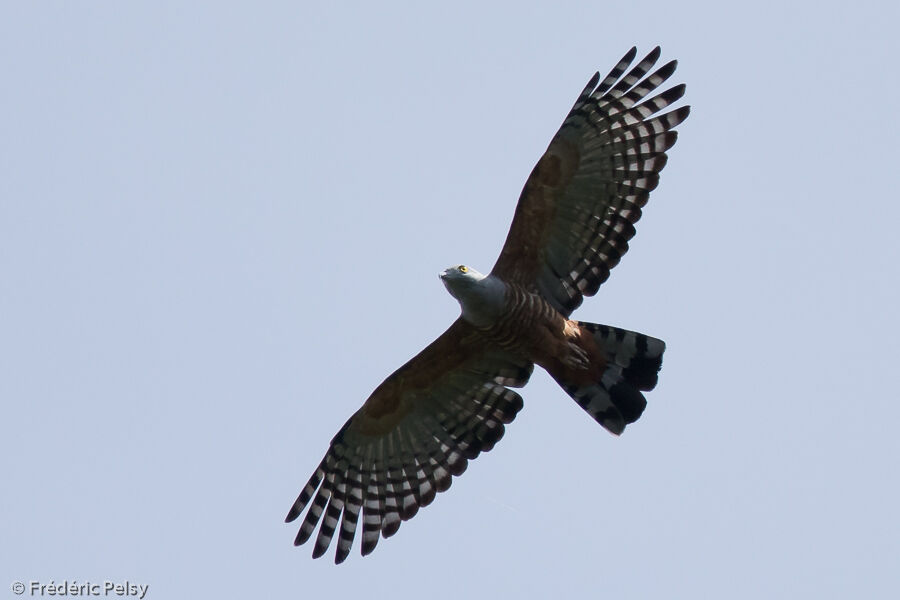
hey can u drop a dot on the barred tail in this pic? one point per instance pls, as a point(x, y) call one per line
point(633, 361)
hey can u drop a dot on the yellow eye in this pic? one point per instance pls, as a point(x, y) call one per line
point(463, 268)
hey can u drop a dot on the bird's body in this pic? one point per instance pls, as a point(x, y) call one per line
point(452, 401)
point(522, 322)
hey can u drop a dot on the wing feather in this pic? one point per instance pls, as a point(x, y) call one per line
point(577, 210)
point(373, 509)
point(353, 506)
point(417, 430)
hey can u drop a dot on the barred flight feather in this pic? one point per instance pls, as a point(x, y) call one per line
point(613, 75)
point(620, 142)
point(388, 480)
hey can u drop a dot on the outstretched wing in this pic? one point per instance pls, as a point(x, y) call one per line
point(579, 205)
point(416, 430)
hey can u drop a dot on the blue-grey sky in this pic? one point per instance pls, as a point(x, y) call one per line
point(221, 226)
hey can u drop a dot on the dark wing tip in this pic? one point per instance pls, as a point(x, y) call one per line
point(319, 549)
point(389, 528)
point(368, 546)
point(675, 95)
point(407, 512)
point(301, 537)
point(653, 55)
point(589, 88)
point(671, 138)
point(666, 71)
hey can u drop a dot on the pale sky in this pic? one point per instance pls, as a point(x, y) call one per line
point(221, 226)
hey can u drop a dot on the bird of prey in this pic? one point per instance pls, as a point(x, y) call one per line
point(449, 403)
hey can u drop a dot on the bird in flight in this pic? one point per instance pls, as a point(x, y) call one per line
point(449, 403)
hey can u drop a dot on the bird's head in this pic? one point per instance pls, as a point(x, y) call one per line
point(459, 279)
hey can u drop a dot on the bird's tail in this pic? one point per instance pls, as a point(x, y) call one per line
point(633, 361)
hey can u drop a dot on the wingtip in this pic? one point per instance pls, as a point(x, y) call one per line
point(666, 71)
point(319, 549)
point(368, 546)
point(307, 528)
